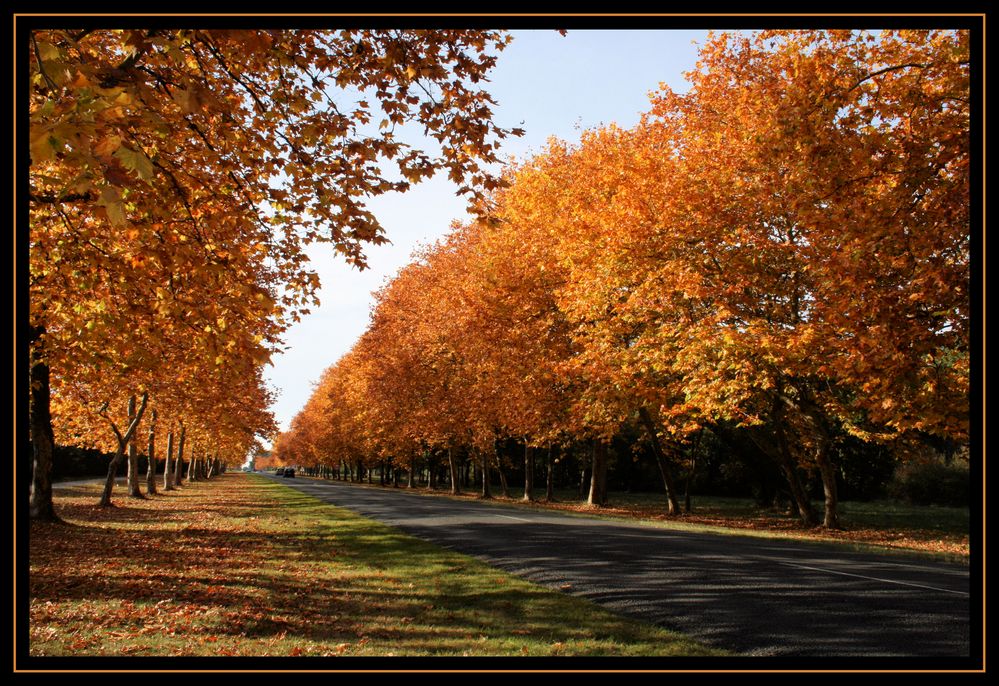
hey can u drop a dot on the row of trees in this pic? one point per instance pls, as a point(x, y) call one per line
point(780, 252)
point(175, 178)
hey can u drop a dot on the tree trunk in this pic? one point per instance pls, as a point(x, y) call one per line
point(673, 506)
point(178, 468)
point(528, 472)
point(690, 472)
point(411, 477)
point(453, 470)
point(209, 468)
point(133, 457)
point(828, 472)
point(582, 482)
point(122, 444)
point(40, 505)
point(504, 487)
point(801, 502)
point(789, 467)
point(484, 462)
point(598, 474)
point(550, 477)
point(119, 453)
point(151, 459)
point(192, 465)
point(168, 464)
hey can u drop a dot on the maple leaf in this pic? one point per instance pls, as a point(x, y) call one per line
point(135, 161)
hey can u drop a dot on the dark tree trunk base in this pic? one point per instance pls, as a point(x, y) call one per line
point(47, 515)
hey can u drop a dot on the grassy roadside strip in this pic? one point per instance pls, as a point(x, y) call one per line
point(244, 566)
point(936, 533)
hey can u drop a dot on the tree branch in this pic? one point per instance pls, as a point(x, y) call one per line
point(885, 70)
point(41, 65)
point(54, 199)
point(138, 417)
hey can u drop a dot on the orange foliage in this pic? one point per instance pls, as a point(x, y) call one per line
point(786, 245)
point(176, 177)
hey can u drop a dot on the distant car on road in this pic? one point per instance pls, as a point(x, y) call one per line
point(279, 472)
point(289, 473)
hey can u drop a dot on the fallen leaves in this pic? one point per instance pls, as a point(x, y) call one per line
point(100, 587)
point(235, 587)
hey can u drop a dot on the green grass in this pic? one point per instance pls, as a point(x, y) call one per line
point(446, 603)
point(888, 514)
point(253, 567)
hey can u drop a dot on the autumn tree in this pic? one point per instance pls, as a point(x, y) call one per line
point(781, 251)
point(581, 208)
point(167, 158)
point(824, 184)
point(706, 247)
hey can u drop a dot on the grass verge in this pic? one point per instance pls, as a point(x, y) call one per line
point(244, 566)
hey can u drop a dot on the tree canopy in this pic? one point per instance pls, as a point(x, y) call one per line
point(783, 249)
point(177, 175)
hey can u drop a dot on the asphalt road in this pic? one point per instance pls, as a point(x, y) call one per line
point(751, 595)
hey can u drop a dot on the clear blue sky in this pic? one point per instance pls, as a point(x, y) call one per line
point(556, 86)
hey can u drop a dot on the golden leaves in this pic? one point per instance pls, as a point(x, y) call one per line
point(43, 147)
point(107, 146)
point(135, 161)
point(747, 241)
point(114, 210)
point(149, 168)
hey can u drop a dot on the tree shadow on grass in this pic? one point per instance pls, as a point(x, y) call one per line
point(143, 570)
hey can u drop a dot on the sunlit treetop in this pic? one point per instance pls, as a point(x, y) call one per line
point(277, 136)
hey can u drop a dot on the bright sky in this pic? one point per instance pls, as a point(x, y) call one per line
point(556, 86)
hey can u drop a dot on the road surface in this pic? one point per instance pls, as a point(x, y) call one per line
point(755, 596)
